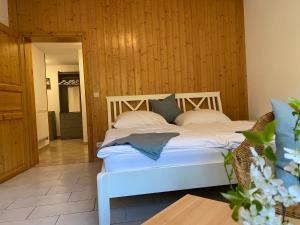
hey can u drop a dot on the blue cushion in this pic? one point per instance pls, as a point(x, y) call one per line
point(287, 177)
point(167, 108)
point(285, 123)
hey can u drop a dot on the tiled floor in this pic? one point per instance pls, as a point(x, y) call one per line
point(60, 152)
point(66, 195)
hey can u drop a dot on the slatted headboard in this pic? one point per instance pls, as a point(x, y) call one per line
point(116, 105)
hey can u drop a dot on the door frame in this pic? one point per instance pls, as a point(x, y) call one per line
point(67, 37)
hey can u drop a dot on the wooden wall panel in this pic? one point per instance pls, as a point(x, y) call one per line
point(148, 46)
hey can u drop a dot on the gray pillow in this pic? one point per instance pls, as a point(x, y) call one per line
point(167, 108)
point(285, 122)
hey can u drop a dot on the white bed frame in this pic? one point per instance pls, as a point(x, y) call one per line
point(116, 104)
point(154, 180)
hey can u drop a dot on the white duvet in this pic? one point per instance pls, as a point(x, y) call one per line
point(204, 136)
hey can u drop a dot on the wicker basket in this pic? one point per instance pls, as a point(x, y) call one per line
point(242, 160)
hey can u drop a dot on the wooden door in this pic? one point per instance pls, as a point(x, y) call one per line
point(16, 141)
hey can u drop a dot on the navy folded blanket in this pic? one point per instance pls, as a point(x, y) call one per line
point(149, 144)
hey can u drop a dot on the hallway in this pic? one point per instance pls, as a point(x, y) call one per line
point(60, 152)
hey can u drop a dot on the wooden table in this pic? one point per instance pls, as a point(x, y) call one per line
point(193, 210)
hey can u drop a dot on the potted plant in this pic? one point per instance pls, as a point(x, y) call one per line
point(256, 205)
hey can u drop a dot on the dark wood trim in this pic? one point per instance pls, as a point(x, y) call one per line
point(9, 31)
point(29, 99)
point(88, 98)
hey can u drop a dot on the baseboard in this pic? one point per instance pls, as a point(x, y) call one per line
point(43, 143)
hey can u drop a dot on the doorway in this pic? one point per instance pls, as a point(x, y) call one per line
point(60, 102)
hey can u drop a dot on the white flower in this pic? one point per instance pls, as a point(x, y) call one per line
point(269, 191)
point(250, 217)
point(288, 197)
point(266, 216)
point(267, 172)
point(259, 161)
point(277, 182)
point(294, 191)
point(284, 197)
point(293, 154)
point(292, 167)
point(270, 217)
point(263, 180)
point(256, 176)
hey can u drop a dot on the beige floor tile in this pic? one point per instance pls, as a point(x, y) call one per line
point(87, 180)
point(96, 205)
point(81, 172)
point(71, 188)
point(61, 209)
point(67, 178)
point(83, 195)
point(5, 203)
point(41, 184)
point(86, 218)
point(22, 192)
point(30, 180)
point(40, 200)
point(14, 214)
point(42, 221)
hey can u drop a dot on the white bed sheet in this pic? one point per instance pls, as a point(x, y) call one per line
point(196, 144)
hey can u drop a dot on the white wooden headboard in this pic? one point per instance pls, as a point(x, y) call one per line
point(117, 104)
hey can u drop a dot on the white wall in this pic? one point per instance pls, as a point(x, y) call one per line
point(4, 12)
point(39, 75)
point(53, 93)
point(82, 91)
point(272, 29)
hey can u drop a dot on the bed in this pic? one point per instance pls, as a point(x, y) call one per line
point(185, 162)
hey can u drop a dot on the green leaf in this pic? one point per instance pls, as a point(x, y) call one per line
point(254, 137)
point(235, 213)
point(295, 104)
point(297, 135)
point(234, 198)
point(227, 157)
point(239, 188)
point(231, 174)
point(258, 205)
point(269, 131)
point(269, 154)
point(241, 192)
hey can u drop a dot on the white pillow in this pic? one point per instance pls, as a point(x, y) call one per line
point(201, 116)
point(134, 119)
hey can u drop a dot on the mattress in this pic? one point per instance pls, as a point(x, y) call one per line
point(132, 161)
point(196, 144)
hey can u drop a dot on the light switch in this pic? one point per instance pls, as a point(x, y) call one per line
point(96, 94)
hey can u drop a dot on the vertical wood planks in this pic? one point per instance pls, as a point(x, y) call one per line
point(149, 46)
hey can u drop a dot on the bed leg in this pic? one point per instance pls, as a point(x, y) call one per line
point(103, 200)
